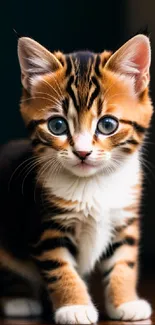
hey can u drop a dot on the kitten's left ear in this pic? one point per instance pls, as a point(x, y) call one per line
point(133, 59)
point(35, 60)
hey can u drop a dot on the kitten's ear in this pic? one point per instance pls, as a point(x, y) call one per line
point(133, 59)
point(34, 61)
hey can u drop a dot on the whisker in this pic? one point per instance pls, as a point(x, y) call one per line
point(55, 169)
point(17, 168)
point(145, 163)
point(46, 82)
point(42, 170)
point(148, 142)
point(108, 89)
point(58, 85)
point(50, 96)
point(37, 97)
point(28, 172)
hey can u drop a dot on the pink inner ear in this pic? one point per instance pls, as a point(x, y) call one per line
point(142, 61)
point(142, 58)
point(133, 59)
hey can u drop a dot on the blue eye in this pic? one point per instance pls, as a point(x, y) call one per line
point(107, 125)
point(57, 126)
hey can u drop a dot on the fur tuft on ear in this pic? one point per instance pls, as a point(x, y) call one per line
point(34, 61)
point(133, 59)
point(145, 31)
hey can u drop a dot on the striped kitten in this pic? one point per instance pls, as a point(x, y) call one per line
point(87, 115)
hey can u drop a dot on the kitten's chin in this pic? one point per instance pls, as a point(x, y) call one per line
point(83, 170)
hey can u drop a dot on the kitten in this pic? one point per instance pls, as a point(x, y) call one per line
point(87, 115)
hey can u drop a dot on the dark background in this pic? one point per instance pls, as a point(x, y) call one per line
point(68, 26)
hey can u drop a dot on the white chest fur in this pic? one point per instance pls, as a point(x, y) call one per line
point(100, 200)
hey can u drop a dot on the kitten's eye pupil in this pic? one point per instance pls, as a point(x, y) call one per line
point(57, 126)
point(107, 125)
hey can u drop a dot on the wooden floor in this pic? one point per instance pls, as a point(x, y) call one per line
point(21, 322)
point(147, 291)
point(104, 322)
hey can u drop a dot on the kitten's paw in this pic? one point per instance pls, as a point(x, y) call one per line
point(21, 307)
point(133, 310)
point(76, 314)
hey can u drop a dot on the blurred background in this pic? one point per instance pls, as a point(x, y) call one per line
point(68, 26)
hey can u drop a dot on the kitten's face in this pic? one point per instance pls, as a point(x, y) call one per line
point(85, 116)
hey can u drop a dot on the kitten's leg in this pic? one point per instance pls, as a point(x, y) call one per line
point(56, 256)
point(119, 269)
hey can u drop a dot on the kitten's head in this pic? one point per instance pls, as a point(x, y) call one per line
point(86, 112)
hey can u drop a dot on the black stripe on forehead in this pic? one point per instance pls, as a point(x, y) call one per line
point(69, 65)
point(65, 105)
point(71, 92)
point(82, 62)
point(95, 92)
point(97, 65)
point(80, 65)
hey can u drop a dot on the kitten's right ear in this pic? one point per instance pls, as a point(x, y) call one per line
point(35, 61)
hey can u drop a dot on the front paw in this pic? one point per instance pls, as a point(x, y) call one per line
point(76, 314)
point(132, 310)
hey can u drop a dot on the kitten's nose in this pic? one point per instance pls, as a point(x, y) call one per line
point(82, 154)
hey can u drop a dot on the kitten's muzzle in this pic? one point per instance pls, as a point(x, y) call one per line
point(82, 155)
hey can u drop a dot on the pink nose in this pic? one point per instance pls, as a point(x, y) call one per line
point(82, 154)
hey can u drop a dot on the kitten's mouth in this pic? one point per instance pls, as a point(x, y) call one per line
point(85, 168)
point(84, 165)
